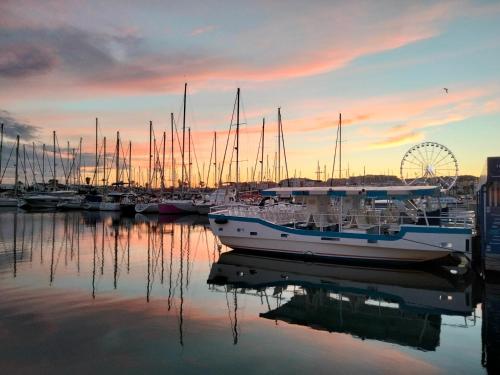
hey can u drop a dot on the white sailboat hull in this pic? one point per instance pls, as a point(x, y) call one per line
point(8, 202)
point(109, 206)
point(146, 208)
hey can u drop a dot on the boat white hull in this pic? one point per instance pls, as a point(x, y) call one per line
point(411, 246)
point(146, 208)
point(109, 206)
point(91, 206)
point(8, 202)
point(39, 203)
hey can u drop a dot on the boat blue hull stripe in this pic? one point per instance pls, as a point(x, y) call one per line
point(392, 237)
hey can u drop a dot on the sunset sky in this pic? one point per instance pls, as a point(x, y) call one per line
point(382, 64)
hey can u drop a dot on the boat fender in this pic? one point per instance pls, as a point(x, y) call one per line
point(221, 221)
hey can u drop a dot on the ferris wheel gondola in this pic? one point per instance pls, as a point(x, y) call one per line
point(429, 163)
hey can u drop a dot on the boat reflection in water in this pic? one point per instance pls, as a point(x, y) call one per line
point(398, 306)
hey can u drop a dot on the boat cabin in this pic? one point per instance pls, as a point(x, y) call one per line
point(366, 209)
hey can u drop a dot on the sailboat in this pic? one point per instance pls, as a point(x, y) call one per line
point(179, 206)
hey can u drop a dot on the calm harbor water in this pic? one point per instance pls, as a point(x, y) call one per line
point(97, 293)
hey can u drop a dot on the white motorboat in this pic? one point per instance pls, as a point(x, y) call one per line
point(216, 198)
point(46, 200)
point(75, 203)
point(8, 202)
point(343, 223)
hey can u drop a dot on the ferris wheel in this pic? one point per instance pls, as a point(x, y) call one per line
point(429, 163)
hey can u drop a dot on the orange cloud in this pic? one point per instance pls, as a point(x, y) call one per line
point(398, 140)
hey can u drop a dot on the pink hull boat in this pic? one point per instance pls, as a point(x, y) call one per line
point(176, 207)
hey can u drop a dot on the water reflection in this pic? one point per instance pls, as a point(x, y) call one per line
point(147, 277)
point(115, 245)
point(397, 306)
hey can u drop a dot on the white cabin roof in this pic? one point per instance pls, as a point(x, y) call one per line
point(401, 192)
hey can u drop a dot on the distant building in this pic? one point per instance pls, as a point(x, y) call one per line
point(301, 182)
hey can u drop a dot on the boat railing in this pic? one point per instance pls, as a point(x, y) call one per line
point(375, 221)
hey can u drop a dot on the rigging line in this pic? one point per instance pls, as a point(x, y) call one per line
point(94, 176)
point(110, 168)
point(284, 152)
point(60, 158)
point(232, 155)
point(210, 162)
point(257, 157)
point(39, 167)
point(32, 171)
point(195, 158)
point(335, 154)
point(7, 164)
point(227, 140)
point(180, 148)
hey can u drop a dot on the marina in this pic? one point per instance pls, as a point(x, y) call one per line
point(253, 187)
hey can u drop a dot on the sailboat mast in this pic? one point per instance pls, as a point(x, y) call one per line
point(183, 135)
point(33, 161)
point(238, 137)
point(189, 158)
point(104, 180)
point(117, 167)
point(1, 148)
point(16, 178)
point(54, 183)
point(43, 164)
point(215, 159)
point(278, 170)
point(340, 145)
point(96, 152)
point(262, 152)
point(163, 163)
point(172, 151)
point(129, 164)
point(80, 162)
point(150, 154)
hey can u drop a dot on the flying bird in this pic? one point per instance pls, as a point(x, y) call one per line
point(445, 89)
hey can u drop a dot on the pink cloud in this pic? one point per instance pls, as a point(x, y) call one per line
point(203, 30)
